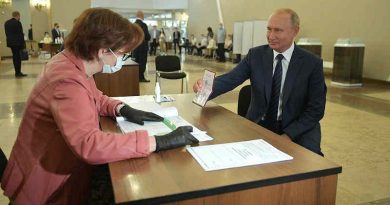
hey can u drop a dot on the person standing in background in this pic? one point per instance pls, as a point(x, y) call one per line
point(162, 42)
point(210, 34)
point(155, 35)
point(176, 39)
point(30, 33)
point(55, 32)
point(15, 40)
point(220, 43)
point(141, 52)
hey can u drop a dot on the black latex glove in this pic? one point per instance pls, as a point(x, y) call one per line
point(177, 138)
point(139, 116)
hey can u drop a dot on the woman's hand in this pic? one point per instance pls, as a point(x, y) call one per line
point(139, 116)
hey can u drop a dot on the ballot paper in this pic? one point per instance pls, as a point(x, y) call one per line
point(237, 154)
point(203, 95)
point(172, 120)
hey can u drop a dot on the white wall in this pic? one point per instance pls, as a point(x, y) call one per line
point(141, 4)
point(202, 14)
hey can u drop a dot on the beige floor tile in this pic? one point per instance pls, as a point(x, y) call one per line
point(353, 137)
point(381, 95)
point(368, 182)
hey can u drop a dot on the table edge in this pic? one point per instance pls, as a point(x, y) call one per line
point(236, 187)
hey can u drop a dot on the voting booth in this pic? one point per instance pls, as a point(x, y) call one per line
point(312, 45)
point(348, 62)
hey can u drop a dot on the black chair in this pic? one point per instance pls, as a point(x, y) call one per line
point(244, 99)
point(3, 162)
point(168, 67)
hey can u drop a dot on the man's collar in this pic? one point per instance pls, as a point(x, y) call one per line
point(287, 53)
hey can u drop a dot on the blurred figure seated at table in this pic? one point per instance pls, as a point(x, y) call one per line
point(211, 47)
point(229, 43)
point(47, 39)
point(185, 43)
point(193, 42)
point(202, 45)
point(228, 47)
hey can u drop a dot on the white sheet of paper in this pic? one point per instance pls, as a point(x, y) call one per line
point(159, 128)
point(237, 154)
point(146, 103)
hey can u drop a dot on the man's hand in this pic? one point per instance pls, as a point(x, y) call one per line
point(198, 85)
point(139, 116)
point(177, 138)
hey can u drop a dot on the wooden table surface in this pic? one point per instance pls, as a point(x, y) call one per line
point(175, 175)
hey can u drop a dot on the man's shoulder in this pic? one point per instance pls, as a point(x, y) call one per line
point(260, 49)
point(306, 54)
point(9, 21)
point(140, 22)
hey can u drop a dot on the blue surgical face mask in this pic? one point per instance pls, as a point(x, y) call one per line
point(107, 68)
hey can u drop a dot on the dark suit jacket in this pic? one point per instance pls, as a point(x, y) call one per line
point(304, 92)
point(14, 33)
point(144, 45)
point(55, 34)
point(30, 34)
point(177, 39)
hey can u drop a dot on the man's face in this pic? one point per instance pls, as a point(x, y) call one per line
point(280, 32)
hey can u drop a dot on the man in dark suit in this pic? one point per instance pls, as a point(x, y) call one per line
point(288, 88)
point(141, 52)
point(30, 33)
point(55, 32)
point(176, 39)
point(15, 40)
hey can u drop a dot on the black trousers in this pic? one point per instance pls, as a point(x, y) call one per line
point(176, 42)
point(277, 128)
point(221, 51)
point(153, 47)
point(141, 56)
point(199, 50)
point(16, 59)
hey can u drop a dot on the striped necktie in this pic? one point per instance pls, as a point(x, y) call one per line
point(276, 86)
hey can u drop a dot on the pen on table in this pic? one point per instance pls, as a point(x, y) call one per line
point(169, 124)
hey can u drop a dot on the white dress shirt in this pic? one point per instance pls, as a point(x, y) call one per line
point(285, 62)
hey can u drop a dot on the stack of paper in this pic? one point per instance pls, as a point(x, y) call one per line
point(172, 120)
point(238, 154)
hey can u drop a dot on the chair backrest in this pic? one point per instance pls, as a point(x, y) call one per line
point(244, 99)
point(3, 162)
point(168, 63)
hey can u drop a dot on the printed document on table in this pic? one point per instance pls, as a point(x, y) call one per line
point(237, 154)
point(172, 120)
